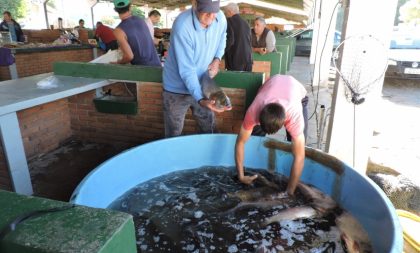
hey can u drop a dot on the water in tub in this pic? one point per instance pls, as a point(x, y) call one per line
point(209, 210)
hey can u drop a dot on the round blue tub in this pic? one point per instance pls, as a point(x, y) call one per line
point(353, 191)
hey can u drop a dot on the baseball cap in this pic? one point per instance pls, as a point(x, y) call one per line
point(209, 6)
point(121, 3)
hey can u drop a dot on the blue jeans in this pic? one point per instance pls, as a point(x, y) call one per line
point(175, 107)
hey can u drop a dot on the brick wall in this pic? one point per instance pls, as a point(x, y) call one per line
point(29, 64)
point(4, 73)
point(49, 36)
point(42, 36)
point(147, 125)
point(43, 128)
point(5, 182)
point(41, 62)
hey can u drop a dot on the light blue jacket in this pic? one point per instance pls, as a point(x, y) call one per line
point(191, 51)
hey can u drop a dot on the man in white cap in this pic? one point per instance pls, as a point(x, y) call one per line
point(198, 41)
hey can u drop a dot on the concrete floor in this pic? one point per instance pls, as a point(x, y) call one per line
point(56, 174)
point(396, 136)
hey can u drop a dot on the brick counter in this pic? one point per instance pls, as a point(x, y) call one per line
point(33, 63)
point(46, 126)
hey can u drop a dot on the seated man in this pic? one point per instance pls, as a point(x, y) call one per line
point(81, 25)
point(280, 101)
point(263, 39)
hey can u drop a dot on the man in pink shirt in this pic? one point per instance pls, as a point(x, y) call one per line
point(280, 101)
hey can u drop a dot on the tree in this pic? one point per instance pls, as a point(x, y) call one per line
point(397, 13)
point(136, 11)
point(108, 20)
point(16, 7)
point(410, 12)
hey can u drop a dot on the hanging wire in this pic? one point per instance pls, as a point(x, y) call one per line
point(319, 62)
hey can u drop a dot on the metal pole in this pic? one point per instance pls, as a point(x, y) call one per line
point(91, 12)
point(46, 14)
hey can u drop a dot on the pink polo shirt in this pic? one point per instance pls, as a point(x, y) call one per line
point(288, 92)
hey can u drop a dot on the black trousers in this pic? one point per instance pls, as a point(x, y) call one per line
point(239, 67)
point(113, 45)
point(257, 131)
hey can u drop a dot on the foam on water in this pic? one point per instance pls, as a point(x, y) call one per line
point(187, 211)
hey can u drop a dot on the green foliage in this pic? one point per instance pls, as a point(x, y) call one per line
point(397, 14)
point(108, 20)
point(51, 4)
point(16, 7)
point(410, 12)
point(136, 11)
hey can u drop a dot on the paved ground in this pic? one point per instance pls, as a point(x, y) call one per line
point(396, 137)
point(56, 174)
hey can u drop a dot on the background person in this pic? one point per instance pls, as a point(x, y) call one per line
point(10, 25)
point(281, 101)
point(263, 39)
point(198, 40)
point(134, 38)
point(106, 34)
point(151, 21)
point(81, 25)
point(238, 52)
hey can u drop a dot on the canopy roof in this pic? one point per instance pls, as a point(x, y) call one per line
point(293, 10)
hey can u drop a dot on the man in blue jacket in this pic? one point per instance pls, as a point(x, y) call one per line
point(198, 40)
point(10, 25)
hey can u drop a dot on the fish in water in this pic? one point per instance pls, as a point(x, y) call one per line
point(319, 205)
point(254, 194)
point(264, 204)
point(318, 200)
point(354, 236)
point(265, 182)
point(294, 213)
point(213, 92)
point(266, 189)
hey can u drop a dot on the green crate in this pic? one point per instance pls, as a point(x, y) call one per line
point(116, 104)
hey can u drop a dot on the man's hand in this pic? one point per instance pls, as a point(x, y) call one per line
point(214, 68)
point(262, 50)
point(211, 104)
point(248, 179)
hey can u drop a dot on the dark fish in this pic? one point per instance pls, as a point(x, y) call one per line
point(318, 200)
point(254, 194)
point(213, 92)
point(265, 182)
point(354, 236)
